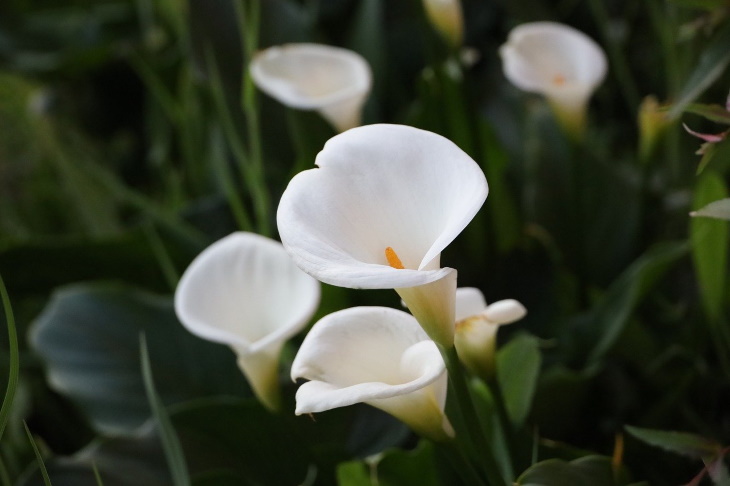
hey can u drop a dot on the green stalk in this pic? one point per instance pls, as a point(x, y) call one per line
point(14, 366)
point(38, 456)
point(461, 464)
point(471, 429)
point(249, 25)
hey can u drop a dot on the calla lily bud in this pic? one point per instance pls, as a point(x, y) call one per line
point(652, 122)
point(379, 356)
point(559, 62)
point(447, 18)
point(331, 80)
point(477, 326)
point(376, 214)
point(244, 291)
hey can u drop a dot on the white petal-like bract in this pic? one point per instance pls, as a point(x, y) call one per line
point(557, 61)
point(334, 81)
point(244, 291)
point(381, 188)
point(378, 356)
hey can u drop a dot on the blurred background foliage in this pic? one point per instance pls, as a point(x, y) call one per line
point(131, 138)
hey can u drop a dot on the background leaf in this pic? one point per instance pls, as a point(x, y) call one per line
point(518, 367)
point(88, 336)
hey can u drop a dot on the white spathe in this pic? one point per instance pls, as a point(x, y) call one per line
point(379, 187)
point(559, 62)
point(244, 291)
point(477, 325)
point(374, 355)
point(331, 80)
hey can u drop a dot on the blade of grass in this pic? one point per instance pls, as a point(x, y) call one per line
point(170, 442)
point(39, 458)
point(14, 371)
point(162, 255)
point(97, 476)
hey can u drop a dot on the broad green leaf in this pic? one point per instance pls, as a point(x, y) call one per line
point(518, 367)
point(88, 337)
point(354, 473)
point(715, 113)
point(683, 443)
point(123, 461)
point(394, 468)
point(615, 308)
point(716, 209)
point(586, 471)
point(243, 437)
point(709, 239)
point(710, 66)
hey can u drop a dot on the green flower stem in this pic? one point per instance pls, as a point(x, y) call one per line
point(470, 425)
point(249, 14)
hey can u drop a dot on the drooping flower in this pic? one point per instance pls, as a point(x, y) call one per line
point(559, 62)
point(476, 328)
point(446, 16)
point(376, 214)
point(244, 291)
point(331, 80)
point(379, 356)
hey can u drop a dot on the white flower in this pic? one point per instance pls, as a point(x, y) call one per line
point(477, 325)
point(559, 62)
point(378, 356)
point(334, 81)
point(383, 204)
point(244, 291)
point(447, 18)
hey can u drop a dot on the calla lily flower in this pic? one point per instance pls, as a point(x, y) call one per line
point(331, 80)
point(379, 356)
point(446, 16)
point(244, 291)
point(477, 325)
point(559, 62)
point(376, 214)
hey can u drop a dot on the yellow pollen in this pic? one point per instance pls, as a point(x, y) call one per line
point(393, 259)
point(559, 79)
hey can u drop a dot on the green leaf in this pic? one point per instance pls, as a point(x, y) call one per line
point(122, 461)
point(586, 471)
point(712, 63)
point(88, 336)
point(615, 308)
point(715, 113)
point(14, 356)
point(709, 240)
point(491, 426)
point(394, 468)
point(244, 438)
point(683, 443)
point(518, 367)
point(38, 456)
point(170, 442)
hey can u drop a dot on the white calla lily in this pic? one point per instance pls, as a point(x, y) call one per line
point(446, 16)
point(477, 325)
point(244, 291)
point(379, 356)
point(383, 204)
point(559, 62)
point(334, 81)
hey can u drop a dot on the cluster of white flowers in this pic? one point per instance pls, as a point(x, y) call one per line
point(376, 213)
